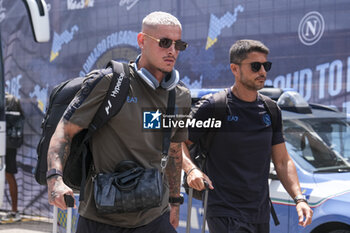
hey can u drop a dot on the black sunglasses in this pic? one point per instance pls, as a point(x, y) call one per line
point(256, 66)
point(166, 43)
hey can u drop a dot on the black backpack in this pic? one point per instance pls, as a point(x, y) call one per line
point(14, 122)
point(80, 159)
point(199, 151)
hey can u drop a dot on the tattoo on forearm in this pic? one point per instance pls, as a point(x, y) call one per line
point(59, 147)
point(173, 169)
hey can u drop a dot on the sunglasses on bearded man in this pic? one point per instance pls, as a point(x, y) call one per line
point(256, 66)
point(166, 42)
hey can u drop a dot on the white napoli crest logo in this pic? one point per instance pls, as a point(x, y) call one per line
point(311, 28)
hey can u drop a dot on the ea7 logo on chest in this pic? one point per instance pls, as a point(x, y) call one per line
point(232, 118)
point(131, 99)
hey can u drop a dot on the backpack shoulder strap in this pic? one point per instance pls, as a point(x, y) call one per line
point(272, 109)
point(220, 104)
point(115, 97)
point(119, 67)
point(111, 105)
point(167, 131)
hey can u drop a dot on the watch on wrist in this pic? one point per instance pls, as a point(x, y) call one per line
point(299, 198)
point(176, 200)
point(53, 172)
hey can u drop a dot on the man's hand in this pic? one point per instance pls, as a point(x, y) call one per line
point(305, 213)
point(174, 215)
point(195, 178)
point(56, 191)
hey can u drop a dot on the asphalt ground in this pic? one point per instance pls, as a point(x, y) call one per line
point(28, 224)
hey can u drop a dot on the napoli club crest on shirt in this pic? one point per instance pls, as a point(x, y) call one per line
point(267, 119)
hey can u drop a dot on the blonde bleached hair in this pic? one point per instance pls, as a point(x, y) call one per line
point(157, 18)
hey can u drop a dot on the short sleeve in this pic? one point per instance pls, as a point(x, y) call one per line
point(183, 108)
point(277, 136)
point(202, 110)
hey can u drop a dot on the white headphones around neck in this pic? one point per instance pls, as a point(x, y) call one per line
point(167, 83)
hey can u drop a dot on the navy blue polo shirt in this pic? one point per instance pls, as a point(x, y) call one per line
point(239, 159)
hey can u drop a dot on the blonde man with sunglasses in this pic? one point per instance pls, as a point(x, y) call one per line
point(240, 151)
point(124, 137)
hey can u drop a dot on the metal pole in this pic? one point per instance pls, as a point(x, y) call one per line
point(2, 112)
point(54, 224)
point(189, 209)
point(2, 85)
point(205, 204)
point(69, 220)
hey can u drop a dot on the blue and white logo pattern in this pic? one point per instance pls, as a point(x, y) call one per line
point(232, 118)
point(151, 120)
point(267, 119)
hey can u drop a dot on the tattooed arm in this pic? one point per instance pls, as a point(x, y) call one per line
point(58, 151)
point(173, 172)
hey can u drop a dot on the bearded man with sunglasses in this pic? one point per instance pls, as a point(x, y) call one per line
point(152, 79)
point(240, 151)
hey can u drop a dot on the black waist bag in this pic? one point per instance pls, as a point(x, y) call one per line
point(131, 188)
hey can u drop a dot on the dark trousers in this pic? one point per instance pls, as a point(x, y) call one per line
point(231, 225)
point(159, 225)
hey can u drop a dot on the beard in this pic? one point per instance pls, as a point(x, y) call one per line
point(165, 72)
point(252, 84)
